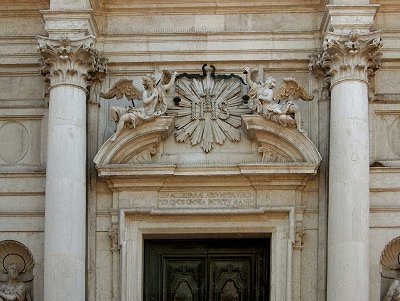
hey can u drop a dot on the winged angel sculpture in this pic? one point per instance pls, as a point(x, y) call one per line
point(153, 100)
point(278, 106)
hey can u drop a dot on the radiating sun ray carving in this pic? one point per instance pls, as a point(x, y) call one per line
point(209, 110)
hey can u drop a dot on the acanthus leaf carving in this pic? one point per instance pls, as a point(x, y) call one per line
point(348, 56)
point(113, 233)
point(269, 155)
point(298, 238)
point(143, 156)
point(72, 62)
point(96, 76)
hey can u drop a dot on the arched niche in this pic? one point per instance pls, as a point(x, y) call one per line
point(16, 254)
point(390, 265)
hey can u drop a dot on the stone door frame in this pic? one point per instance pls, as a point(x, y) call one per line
point(136, 225)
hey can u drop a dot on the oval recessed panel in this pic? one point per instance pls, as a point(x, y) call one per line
point(14, 142)
point(394, 134)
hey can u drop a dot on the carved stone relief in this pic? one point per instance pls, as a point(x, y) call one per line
point(113, 233)
point(273, 155)
point(208, 108)
point(390, 261)
point(278, 106)
point(390, 257)
point(16, 271)
point(154, 102)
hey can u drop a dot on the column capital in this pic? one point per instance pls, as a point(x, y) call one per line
point(70, 62)
point(348, 56)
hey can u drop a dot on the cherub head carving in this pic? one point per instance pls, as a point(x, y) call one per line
point(14, 265)
point(270, 82)
point(149, 81)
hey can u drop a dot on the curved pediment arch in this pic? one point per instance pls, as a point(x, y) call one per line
point(135, 146)
point(278, 143)
point(276, 150)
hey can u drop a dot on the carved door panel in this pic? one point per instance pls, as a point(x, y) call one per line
point(206, 270)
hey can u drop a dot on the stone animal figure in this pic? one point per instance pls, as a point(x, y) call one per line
point(153, 100)
point(278, 106)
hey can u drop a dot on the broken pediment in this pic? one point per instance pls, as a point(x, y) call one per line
point(280, 144)
point(135, 146)
point(151, 149)
point(206, 126)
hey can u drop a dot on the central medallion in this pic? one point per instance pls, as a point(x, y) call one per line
point(208, 108)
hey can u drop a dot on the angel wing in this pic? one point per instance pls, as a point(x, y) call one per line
point(121, 88)
point(291, 89)
point(166, 77)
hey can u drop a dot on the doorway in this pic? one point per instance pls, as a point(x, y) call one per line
point(206, 269)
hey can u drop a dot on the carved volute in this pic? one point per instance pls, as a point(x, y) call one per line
point(348, 56)
point(71, 62)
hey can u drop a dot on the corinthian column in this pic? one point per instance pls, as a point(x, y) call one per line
point(349, 60)
point(68, 66)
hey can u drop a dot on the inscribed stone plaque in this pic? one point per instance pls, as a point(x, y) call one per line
point(207, 199)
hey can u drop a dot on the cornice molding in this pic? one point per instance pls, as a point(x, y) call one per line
point(155, 7)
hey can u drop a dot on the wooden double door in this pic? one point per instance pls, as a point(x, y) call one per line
point(206, 270)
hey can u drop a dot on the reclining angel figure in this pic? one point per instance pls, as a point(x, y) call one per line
point(153, 100)
point(276, 106)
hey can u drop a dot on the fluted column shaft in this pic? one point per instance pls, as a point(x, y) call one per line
point(67, 65)
point(349, 60)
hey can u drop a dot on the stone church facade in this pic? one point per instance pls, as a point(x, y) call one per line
point(200, 150)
